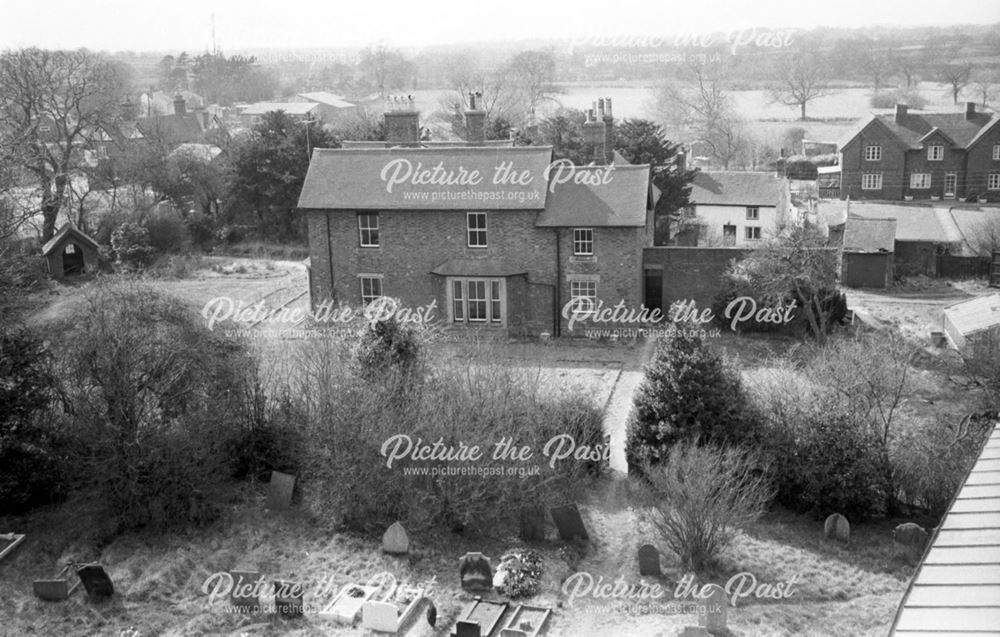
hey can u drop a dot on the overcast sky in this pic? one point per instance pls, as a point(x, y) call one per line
point(175, 25)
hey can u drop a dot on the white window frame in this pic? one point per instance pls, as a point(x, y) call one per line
point(752, 233)
point(470, 231)
point(583, 289)
point(996, 152)
point(993, 181)
point(920, 181)
point(362, 229)
point(871, 181)
point(461, 297)
point(753, 213)
point(873, 152)
point(583, 242)
point(376, 281)
point(935, 152)
point(953, 177)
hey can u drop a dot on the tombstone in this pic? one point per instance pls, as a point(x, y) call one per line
point(712, 611)
point(695, 631)
point(245, 593)
point(380, 616)
point(533, 524)
point(467, 629)
point(649, 560)
point(569, 523)
point(279, 491)
point(837, 528)
point(512, 632)
point(909, 541)
point(395, 540)
point(475, 572)
point(288, 598)
point(96, 581)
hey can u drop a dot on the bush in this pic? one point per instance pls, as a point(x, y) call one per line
point(155, 397)
point(131, 245)
point(167, 232)
point(700, 495)
point(31, 447)
point(522, 571)
point(889, 99)
point(688, 392)
point(387, 346)
point(201, 229)
point(732, 287)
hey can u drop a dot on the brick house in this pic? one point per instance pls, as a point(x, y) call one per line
point(497, 237)
point(918, 155)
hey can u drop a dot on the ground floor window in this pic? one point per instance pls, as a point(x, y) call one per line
point(371, 288)
point(871, 181)
point(478, 300)
point(752, 233)
point(994, 181)
point(583, 289)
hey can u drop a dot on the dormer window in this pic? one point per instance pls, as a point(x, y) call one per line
point(873, 152)
point(935, 152)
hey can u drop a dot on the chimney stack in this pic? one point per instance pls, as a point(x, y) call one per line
point(595, 134)
point(475, 120)
point(180, 106)
point(900, 113)
point(970, 110)
point(402, 120)
point(609, 131)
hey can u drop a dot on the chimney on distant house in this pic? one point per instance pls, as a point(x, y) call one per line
point(595, 135)
point(900, 113)
point(402, 120)
point(970, 110)
point(609, 128)
point(475, 120)
point(180, 106)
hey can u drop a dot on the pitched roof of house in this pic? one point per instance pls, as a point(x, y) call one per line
point(974, 315)
point(727, 188)
point(869, 235)
point(291, 108)
point(918, 125)
point(915, 221)
point(404, 178)
point(955, 585)
point(458, 143)
point(67, 231)
point(172, 129)
point(325, 97)
point(620, 199)
point(974, 224)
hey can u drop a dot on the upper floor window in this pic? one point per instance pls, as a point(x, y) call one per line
point(996, 152)
point(753, 233)
point(920, 180)
point(873, 152)
point(368, 230)
point(583, 242)
point(371, 288)
point(993, 182)
point(871, 181)
point(753, 213)
point(935, 152)
point(476, 229)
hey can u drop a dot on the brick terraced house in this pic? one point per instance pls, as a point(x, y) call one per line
point(498, 237)
point(922, 155)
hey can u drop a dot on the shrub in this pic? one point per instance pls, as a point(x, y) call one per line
point(167, 232)
point(31, 447)
point(201, 229)
point(523, 570)
point(387, 346)
point(130, 243)
point(700, 495)
point(688, 392)
point(155, 398)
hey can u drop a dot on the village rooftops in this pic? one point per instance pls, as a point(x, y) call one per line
point(915, 221)
point(731, 188)
point(863, 235)
point(911, 128)
point(617, 197)
point(327, 98)
point(290, 108)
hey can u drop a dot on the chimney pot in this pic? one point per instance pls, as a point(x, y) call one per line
point(402, 121)
point(970, 109)
point(180, 106)
point(901, 113)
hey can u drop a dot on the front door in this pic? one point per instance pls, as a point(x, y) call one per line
point(950, 184)
point(728, 235)
point(653, 289)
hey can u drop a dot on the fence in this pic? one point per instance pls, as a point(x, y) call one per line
point(953, 267)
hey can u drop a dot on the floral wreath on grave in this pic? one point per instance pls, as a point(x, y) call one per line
point(519, 573)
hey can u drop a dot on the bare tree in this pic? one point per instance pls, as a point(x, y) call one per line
point(984, 84)
point(956, 76)
point(385, 68)
point(533, 75)
point(800, 78)
point(874, 61)
point(53, 104)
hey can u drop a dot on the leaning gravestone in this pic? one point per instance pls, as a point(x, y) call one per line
point(533, 524)
point(649, 560)
point(288, 598)
point(837, 528)
point(569, 523)
point(395, 540)
point(909, 540)
point(467, 629)
point(712, 611)
point(279, 491)
point(475, 572)
point(380, 616)
point(245, 594)
point(96, 581)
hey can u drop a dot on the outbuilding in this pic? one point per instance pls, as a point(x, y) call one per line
point(70, 252)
